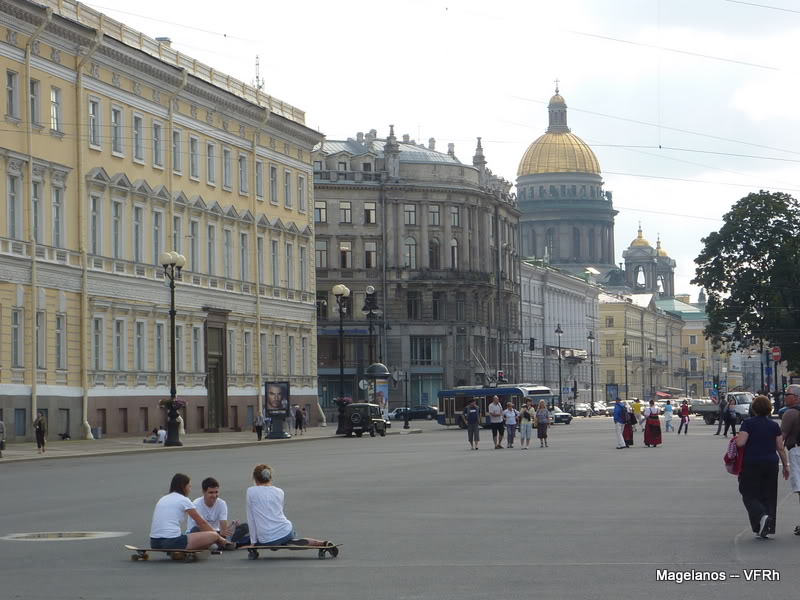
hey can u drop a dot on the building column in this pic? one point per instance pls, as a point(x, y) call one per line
point(423, 242)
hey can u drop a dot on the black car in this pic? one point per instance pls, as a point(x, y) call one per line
point(362, 417)
point(560, 416)
point(422, 412)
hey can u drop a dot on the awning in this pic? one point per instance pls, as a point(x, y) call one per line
point(663, 395)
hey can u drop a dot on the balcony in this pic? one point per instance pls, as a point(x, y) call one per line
point(334, 176)
point(449, 275)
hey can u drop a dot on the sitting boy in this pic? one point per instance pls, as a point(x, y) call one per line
point(215, 511)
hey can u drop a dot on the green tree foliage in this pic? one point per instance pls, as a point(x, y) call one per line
point(750, 270)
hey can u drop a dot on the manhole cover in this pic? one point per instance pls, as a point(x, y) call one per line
point(49, 536)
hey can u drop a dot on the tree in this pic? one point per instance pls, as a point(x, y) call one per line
point(750, 270)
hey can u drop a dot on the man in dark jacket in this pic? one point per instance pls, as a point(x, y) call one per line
point(723, 404)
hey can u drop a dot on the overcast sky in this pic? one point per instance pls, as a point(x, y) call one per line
point(458, 69)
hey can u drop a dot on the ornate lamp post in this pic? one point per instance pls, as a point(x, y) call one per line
point(590, 337)
point(342, 293)
point(559, 333)
point(650, 352)
point(625, 346)
point(371, 311)
point(172, 263)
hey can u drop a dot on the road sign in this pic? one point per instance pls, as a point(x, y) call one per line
point(768, 370)
point(708, 384)
point(566, 389)
point(776, 353)
point(723, 383)
point(363, 384)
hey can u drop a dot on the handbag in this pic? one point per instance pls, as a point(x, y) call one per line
point(734, 458)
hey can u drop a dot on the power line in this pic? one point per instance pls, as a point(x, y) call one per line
point(789, 10)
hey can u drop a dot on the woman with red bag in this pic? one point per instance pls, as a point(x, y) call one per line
point(762, 441)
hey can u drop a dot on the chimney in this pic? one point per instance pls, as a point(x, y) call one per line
point(405, 138)
point(360, 137)
point(432, 144)
point(164, 40)
point(451, 149)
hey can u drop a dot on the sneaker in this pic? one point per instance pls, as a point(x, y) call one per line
point(229, 546)
point(763, 529)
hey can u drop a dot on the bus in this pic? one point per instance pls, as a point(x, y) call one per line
point(453, 402)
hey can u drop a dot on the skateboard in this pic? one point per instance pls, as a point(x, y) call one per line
point(184, 555)
point(252, 551)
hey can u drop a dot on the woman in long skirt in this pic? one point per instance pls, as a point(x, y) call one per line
point(652, 426)
point(627, 431)
point(542, 422)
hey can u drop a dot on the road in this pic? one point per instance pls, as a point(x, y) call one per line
point(420, 517)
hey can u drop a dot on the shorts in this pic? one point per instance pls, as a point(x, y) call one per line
point(282, 541)
point(176, 543)
point(474, 432)
point(526, 430)
point(794, 464)
point(498, 429)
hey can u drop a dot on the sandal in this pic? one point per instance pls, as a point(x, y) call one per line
point(797, 530)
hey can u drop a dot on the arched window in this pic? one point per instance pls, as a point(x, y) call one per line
point(661, 285)
point(434, 259)
point(576, 243)
point(454, 253)
point(410, 253)
point(640, 279)
point(550, 243)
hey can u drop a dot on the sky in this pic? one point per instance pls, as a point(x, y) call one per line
point(689, 105)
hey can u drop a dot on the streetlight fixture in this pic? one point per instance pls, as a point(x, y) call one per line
point(172, 263)
point(559, 333)
point(371, 311)
point(590, 337)
point(625, 346)
point(650, 351)
point(342, 293)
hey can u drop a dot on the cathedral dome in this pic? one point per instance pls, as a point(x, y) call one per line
point(558, 150)
point(659, 250)
point(640, 241)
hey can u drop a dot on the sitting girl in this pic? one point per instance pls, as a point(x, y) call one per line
point(264, 506)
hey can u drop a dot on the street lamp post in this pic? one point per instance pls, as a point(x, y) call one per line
point(342, 293)
point(172, 263)
point(625, 345)
point(703, 359)
point(405, 413)
point(371, 311)
point(559, 333)
point(650, 351)
point(590, 337)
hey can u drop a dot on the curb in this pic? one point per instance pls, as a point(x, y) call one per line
point(187, 448)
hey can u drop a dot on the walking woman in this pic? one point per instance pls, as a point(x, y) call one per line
point(40, 429)
point(668, 418)
point(165, 530)
point(684, 418)
point(542, 423)
point(761, 440)
point(299, 421)
point(652, 426)
point(510, 415)
point(730, 417)
point(526, 418)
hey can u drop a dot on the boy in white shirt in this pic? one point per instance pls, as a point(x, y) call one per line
point(214, 510)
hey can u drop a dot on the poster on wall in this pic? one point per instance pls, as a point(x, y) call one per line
point(382, 395)
point(276, 394)
point(612, 392)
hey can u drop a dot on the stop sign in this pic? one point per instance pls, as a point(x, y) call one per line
point(776, 353)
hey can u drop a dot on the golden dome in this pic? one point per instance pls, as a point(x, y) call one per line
point(558, 152)
point(557, 99)
point(659, 250)
point(640, 242)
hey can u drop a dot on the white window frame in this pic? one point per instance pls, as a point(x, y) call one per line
point(287, 189)
point(96, 224)
point(247, 351)
point(259, 180)
point(41, 339)
point(244, 259)
point(95, 123)
point(194, 157)
point(273, 185)
point(179, 348)
point(158, 144)
point(98, 355)
point(120, 345)
point(177, 234)
point(289, 256)
point(301, 193)
point(14, 204)
point(211, 163)
point(194, 245)
point(231, 350)
point(34, 98)
point(140, 345)
point(17, 338)
point(304, 356)
point(290, 352)
point(274, 247)
point(263, 343)
point(58, 211)
point(158, 345)
point(276, 354)
point(197, 349)
point(117, 228)
point(56, 109)
point(244, 183)
point(260, 258)
point(61, 341)
point(227, 253)
point(211, 250)
point(137, 231)
point(138, 138)
point(117, 131)
point(227, 168)
point(158, 237)
point(177, 151)
point(12, 95)
point(303, 259)
point(38, 208)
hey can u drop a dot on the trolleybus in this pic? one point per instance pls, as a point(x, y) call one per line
point(452, 402)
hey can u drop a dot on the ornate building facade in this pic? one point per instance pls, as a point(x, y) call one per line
point(437, 238)
point(567, 218)
point(121, 148)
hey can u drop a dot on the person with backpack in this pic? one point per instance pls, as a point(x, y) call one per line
point(762, 441)
point(790, 427)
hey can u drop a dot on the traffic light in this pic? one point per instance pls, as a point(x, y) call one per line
point(501, 377)
point(532, 344)
point(784, 382)
point(716, 382)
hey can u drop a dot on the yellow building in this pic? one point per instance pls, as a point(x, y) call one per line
point(117, 148)
point(653, 353)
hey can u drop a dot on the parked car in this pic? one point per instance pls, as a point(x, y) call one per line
point(583, 409)
point(559, 416)
point(423, 411)
point(710, 412)
point(397, 414)
point(361, 417)
point(601, 410)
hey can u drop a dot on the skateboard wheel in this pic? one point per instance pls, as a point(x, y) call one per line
point(134, 557)
point(334, 552)
point(321, 555)
point(252, 554)
point(145, 557)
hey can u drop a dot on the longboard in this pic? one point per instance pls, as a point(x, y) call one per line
point(184, 555)
point(252, 551)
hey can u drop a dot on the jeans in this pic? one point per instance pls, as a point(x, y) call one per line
point(668, 425)
point(684, 424)
point(510, 431)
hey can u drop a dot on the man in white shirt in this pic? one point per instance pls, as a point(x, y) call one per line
point(162, 434)
point(496, 421)
point(213, 509)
